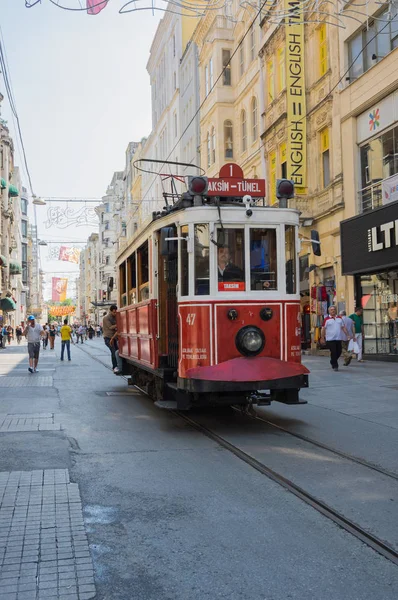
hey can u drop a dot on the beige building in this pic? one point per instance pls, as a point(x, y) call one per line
point(369, 128)
point(231, 105)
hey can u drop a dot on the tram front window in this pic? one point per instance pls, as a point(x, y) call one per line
point(263, 263)
point(202, 278)
point(231, 260)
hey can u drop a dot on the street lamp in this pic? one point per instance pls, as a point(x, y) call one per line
point(38, 201)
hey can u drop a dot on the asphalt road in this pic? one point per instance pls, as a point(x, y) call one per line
point(172, 516)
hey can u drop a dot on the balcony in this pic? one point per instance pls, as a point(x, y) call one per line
point(370, 197)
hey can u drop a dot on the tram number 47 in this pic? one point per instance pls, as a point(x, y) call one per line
point(191, 318)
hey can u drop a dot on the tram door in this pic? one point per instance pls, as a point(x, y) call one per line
point(168, 313)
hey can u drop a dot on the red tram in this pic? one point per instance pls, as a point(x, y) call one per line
point(210, 309)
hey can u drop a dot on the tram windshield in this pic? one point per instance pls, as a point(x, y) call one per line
point(231, 259)
point(263, 263)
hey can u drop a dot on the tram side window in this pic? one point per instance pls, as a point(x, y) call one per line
point(132, 279)
point(184, 262)
point(231, 260)
point(122, 284)
point(290, 258)
point(143, 272)
point(263, 261)
point(202, 264)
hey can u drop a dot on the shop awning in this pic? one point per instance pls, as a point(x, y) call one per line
point(13, 191)
point(3, 184)
point(3, 261)
point(7, 304)
point(15, 268)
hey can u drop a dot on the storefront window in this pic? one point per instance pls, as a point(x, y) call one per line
point(380, 313)
point(263, 266)
point(202, 277)
point(231, 260)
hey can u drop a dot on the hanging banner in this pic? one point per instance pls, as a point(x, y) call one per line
point(95, 6)
point(61, 311)
point(59, 288)
point(69, 254)
point(296, 104)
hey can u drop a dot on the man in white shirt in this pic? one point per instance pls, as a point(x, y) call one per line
point(33, 333)
point(332, 330)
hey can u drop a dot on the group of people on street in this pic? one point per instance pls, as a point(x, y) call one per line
point(343, 335)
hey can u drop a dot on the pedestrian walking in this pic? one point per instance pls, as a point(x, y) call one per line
point(80, 333)
point(331, 332)
point(66, 336)
point(10, 334)
point(98, 331)
point(33, 333)
point(357, 317)
point(52, 333)
point(18, 333)
point(109, 329)
point(45, 337)
point(90, 332)
point(1, 337)
point(345, 339)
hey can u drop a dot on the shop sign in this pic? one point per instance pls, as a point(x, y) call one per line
point(389, 189)
point(377, 117)
point(369, 242)
point(296, 103)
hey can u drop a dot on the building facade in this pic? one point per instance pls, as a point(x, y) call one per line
point(369, 128)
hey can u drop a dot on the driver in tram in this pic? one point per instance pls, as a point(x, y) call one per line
point(227, 271)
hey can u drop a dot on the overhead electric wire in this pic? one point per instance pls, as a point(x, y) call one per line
point(3, 67)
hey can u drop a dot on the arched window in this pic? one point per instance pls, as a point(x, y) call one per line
point(244, 130)
point(208, 149)
point(213, 145)
point(254, 119)
point(228, 139)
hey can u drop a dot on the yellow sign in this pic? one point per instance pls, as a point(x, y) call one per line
point(295, 87)
point(61, 311)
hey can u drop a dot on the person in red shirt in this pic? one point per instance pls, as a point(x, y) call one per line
point(332, 333)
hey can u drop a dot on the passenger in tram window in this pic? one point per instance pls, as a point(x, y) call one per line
point(227, 271)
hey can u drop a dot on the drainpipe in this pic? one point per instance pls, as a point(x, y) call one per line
point(262, 111)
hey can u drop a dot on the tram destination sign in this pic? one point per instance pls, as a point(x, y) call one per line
point(233, 186)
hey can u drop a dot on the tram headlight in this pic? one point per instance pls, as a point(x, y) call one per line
point(250, 340)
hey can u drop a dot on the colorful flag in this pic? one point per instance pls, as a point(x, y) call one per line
point(95, 6)
point(69, 254)
point(59, 289)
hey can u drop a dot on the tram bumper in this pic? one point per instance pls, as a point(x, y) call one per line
point(246, 374)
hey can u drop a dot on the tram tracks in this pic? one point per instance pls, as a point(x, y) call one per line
point(372, 541)
point(348, 525)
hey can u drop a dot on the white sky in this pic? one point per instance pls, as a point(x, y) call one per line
point(82, 93)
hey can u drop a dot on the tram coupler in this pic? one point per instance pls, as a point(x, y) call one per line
point(260, 398)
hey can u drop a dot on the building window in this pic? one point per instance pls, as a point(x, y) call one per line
point(254, 119)
point(175, 125)
point(243, 130)
point(281, 69)
point(24, 226)
point(272, 177)
point(226, 63)
point(373, 43)
point(379, 160)
point(206, 81)
point(228, 139)
point(323, 50)
point(175, 80)
point(270, 81)
point(24, 206)
point(241, 58)
point(213, 145)
point(211, 74)
point(283, 160)
point(24, 253)
point(252, 43)
point(325, 157)
point(208, 149)
point(174, 45)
